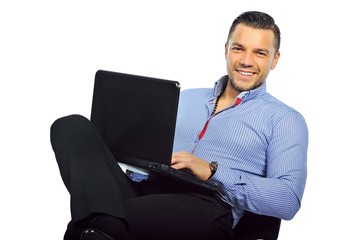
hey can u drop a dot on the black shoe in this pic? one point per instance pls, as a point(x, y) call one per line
point(110, 226)
point(94, 234)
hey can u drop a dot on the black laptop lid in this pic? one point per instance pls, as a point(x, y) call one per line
point(136, 115)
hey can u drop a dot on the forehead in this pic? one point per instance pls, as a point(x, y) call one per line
point(252, 37)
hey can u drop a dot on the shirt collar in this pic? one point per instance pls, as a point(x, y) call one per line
point(220, 85)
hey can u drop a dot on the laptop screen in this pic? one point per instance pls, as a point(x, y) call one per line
point(136, 115)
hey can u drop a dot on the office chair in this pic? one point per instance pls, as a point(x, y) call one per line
point(254, 227)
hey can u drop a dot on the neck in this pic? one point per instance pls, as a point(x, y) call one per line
point(222, 102)
point(226, 98)
point(230, 93)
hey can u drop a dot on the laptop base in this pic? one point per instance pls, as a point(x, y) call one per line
point(165, 170)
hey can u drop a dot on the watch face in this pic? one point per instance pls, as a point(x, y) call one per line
point(214, 166)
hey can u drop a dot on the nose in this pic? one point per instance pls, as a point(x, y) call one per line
point(246, 59)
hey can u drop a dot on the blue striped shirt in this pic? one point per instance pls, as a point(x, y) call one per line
point(260, 146)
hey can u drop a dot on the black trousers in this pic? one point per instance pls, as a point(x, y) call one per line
point(162, 208)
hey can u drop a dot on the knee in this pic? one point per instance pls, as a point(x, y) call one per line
point(66, 121)
point(65, 125)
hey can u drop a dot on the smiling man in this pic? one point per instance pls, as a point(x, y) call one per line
point(235, 135)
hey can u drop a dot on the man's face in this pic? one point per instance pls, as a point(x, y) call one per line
point(250, 55)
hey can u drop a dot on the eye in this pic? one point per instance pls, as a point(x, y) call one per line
point(262, 53)
point(236, 49)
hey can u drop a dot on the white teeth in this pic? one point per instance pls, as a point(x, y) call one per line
point(245, 73)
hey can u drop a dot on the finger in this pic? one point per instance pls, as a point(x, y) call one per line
point(178, 157)
point(178, 166)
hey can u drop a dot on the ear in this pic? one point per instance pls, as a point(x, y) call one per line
point(226, 49)
point(275, 60)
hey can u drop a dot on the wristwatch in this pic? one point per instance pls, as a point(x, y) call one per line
point(213, 166)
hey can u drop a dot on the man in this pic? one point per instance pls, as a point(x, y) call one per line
point(236, 135)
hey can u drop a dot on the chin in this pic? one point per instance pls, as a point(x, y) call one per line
point(241, 87)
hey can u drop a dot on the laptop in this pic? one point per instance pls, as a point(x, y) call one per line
point(136, 116)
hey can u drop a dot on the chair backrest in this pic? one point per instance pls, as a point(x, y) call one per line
point(253, 226)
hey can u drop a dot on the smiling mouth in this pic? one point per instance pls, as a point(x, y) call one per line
point(247, 74)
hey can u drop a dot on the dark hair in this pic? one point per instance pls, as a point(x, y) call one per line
point(258, 20)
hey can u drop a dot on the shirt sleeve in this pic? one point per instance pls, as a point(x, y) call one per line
point(280, 191)
point(134, 173)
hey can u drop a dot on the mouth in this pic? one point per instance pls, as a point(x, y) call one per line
point(245, 73)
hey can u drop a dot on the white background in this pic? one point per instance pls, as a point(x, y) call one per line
point(50, 51)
